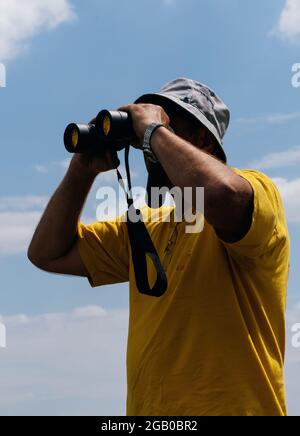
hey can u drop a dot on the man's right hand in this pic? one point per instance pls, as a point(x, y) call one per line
point(92, 164)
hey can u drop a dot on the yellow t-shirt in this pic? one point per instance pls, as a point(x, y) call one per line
point(214, 343)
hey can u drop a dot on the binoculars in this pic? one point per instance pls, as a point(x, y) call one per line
point(112, 130)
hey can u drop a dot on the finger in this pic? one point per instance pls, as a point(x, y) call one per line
point(125, 108)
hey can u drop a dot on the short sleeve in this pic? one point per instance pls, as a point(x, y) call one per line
point(268, 225)
point(103, 247)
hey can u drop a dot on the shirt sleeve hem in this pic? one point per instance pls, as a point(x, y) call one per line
point(248, 245)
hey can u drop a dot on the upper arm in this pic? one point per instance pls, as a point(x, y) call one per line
point(70, 264)
point(99, 253)
point(234, 221)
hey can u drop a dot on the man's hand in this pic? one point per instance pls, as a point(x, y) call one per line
point(92, 164)
point(142, 116)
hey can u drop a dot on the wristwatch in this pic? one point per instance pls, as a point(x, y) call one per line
point(148, 152)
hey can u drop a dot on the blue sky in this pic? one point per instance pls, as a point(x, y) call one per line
point(66, 61)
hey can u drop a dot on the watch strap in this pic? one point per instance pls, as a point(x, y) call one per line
point(147, 149)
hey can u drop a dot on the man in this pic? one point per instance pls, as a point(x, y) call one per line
point(213, 344)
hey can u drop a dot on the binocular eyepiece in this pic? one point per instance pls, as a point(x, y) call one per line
point(113, 130)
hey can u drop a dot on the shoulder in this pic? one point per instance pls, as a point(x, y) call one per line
point(254, 174)
point(260, 182)
point(269, 227)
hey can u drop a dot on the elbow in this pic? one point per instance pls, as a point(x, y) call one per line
point(30, 255)
point(234, 193)
point(219, 196)
point(230, 205)
point(35, 259)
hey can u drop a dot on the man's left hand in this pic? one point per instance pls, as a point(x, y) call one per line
point(142, 116)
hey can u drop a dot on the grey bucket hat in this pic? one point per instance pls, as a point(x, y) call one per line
point(197, 100)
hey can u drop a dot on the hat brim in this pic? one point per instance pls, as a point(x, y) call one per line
point(162, 99)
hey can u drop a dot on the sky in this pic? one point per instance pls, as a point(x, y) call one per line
point(65, 60)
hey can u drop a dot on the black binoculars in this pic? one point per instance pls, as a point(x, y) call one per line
point(112, 130)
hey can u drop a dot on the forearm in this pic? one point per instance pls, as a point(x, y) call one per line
point(186, 165)
point(57, 229)
point(226, 193)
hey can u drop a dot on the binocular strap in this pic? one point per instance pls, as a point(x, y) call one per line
point(142, 245)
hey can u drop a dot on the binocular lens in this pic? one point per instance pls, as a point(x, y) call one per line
point(75, 138)
point(81, 138)
point(114, 126)
point(106, 125)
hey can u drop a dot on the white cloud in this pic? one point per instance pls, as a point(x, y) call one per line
point(42, 169)
point(279, 159)
point(289, 22)
point(290, 191)
point(46, 168)
point(22, 20)
point(74, 363)
point(65, 363)
point(26, 203)
point(18, 219)
point(89, 312)
point(275, 118)
point(294, 316)
point(16, 230)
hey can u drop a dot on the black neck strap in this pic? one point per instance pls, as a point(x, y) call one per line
point(141, 244)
